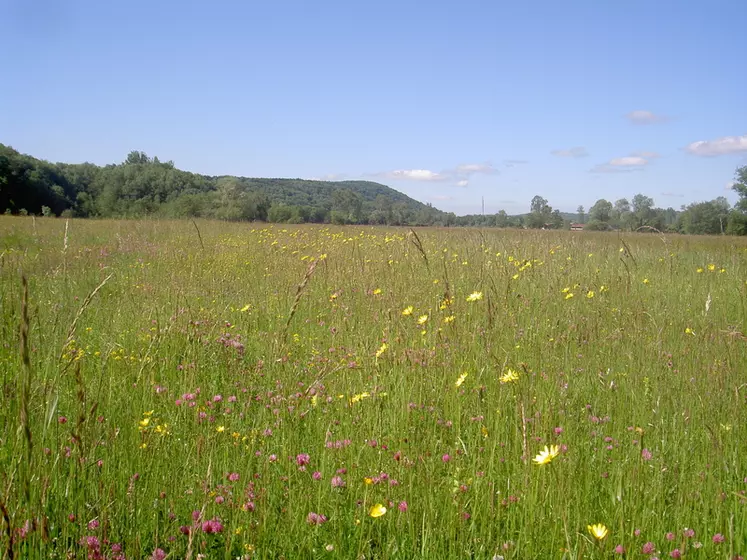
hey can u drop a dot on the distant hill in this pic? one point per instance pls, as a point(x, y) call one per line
point(142, 186)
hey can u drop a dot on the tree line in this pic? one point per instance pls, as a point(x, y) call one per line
point(144, 186)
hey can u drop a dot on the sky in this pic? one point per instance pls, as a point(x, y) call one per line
point(450, 102)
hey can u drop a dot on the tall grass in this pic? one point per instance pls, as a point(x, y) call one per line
point(259, 391)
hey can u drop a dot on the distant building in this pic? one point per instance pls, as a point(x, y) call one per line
point(577, 227)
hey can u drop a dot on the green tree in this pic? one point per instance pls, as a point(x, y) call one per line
point(581, 214)
point(601, 211)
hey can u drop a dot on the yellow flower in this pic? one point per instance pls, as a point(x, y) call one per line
point(381, 349)
point(377, 511)
point(547, 455)
point(645, 281)
point(711, 267)
point(699, 270)
point(598, 531)
point(474, 296)
point(144, 422)
point(449, 319)
point(460, 379)
point(220, 429)
point(569, 295)
point(359, 397)
point(368, 480)
point(509, 377)
point(245, 308)
point(377, 291)
point(422, 320)
point(407, 310)
point(590, 294)
point(688, 330)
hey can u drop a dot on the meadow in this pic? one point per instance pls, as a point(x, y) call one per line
point(213, 390)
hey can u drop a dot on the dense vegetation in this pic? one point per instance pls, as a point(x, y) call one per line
point(325, 392)
point(143, 186)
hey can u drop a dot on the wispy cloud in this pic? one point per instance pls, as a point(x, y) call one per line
point(329, 177)
point(719, 146)
point(575, 152)
point(645, 117)
point(459, 175)
point(634, 162)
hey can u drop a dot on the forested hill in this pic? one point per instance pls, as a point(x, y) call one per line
point(142, 186)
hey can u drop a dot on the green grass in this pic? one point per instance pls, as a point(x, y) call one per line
point(200, 358)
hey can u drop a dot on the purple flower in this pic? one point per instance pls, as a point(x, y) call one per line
point(233, 477)
point(337, 482)
point(670, 536)
point(402, 506)
point(445, 457)
point(316, 475)
point(718, 538)
point(158, 554)
point(302, 459)
point(212, 526)
point(646, 455)
point(675, 553)
point(648, 548)
point(315, 518)
point(619, 549)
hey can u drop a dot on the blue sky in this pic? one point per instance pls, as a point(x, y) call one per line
point(447, 102)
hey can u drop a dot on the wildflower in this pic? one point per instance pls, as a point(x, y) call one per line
point(422, 320)
point(446, 458)
point(676, 553)
point(688, 330)
point(315, 518)
point(509, 377)
point(449, 319)
point(233, 477)
point(569, 295)
point(460, 379)
point(407, 310)
point(711, 267)
point(619, 549)
point(547, 455)
point(220, 429)
point(403, 507)
point(474, 296)
point(699, 270)
point(590, 294)
point(646, 455)
point(381, 349)
point(302, 459)
point(337, 482)
point(359, 397)
point(598, 531)
point(645, 281)
point(718, 538)
point(377, 511)
point(377, 291)
point(212, 526)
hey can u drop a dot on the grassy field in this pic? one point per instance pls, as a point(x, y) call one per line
point(213, 390)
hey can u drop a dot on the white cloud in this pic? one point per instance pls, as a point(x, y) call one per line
point(459, 175)
point(575, 152)
point(469, 168)
point(633, 162)
point(416, 175)
point(628, 161)
point(645, 117)
point(719, 146)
